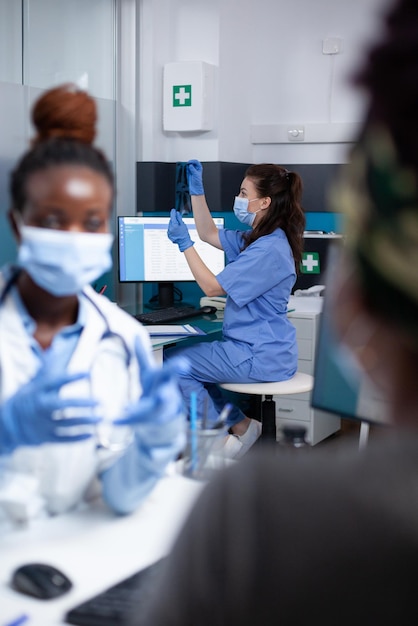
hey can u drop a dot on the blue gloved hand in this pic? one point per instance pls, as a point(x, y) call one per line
point(161, 403)
point(158, 420)
point(27, 417)
point(177, 231)
point(194, 178)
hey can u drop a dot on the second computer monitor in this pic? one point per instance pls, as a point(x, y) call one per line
point(340, 386)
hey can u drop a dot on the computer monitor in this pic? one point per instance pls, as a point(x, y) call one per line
point(146, 254)
point(314, 259)
point(340, 386)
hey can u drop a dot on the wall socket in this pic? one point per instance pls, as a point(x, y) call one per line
point(296, 133)
point(331, 45)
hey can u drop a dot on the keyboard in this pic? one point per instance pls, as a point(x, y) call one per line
point(122, 604)
point(169, 314)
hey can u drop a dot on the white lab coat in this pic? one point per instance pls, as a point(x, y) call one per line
point(66, 473)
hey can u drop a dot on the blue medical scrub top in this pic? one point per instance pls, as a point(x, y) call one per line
point(63, 343)
point(258, 283)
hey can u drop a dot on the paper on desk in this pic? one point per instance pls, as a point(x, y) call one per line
point(180, 330)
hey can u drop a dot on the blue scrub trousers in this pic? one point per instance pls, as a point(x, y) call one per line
point(209, 365)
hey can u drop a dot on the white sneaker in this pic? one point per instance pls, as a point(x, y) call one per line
point(232, 447)
point(237, 445)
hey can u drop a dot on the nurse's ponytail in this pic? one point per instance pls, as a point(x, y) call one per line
point(284, 188)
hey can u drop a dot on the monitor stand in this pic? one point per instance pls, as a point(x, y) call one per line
point(364, 435)
point(165, 295)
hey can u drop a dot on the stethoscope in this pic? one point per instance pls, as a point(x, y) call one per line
point(10, 282)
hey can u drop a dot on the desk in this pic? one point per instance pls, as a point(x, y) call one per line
point(93, 547)
point(212, 326)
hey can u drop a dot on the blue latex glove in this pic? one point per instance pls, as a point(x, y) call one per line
point(194, 178)
point(177, 231)
point(27, 418)
point(161, 402)
point(158, 419)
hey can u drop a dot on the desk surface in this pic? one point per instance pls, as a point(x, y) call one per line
point(211, 325)
point(93, 547)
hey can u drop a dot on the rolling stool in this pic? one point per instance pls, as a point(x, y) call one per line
point(298, 384)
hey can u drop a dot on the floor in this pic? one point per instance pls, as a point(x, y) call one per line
point(349, 432)
point(349, 429)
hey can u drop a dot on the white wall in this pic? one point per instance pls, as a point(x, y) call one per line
point(271, 70)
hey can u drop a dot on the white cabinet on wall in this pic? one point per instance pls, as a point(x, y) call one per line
point(296, 409)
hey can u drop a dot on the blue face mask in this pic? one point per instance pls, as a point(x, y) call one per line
point(63, 262)
point(241, 210)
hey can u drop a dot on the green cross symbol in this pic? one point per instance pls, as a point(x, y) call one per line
point(310, 263)
point(182, 95)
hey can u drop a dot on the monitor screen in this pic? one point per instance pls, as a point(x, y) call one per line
point(147, 255)
point(340, 386)
point(314, 259)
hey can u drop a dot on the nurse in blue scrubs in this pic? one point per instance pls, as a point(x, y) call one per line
point(259, 342)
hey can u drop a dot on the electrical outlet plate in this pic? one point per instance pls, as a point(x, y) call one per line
point(296, 133)
point(331, 45)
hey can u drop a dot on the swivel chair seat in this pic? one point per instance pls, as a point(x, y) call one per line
point(299, 383)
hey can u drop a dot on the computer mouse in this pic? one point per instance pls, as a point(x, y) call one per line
point(205, 310)
point(40, 581)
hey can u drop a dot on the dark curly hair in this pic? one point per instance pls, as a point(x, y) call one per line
point(384, 172)
point(390, 76)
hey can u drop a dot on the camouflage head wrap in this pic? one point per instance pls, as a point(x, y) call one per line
point(379, 197)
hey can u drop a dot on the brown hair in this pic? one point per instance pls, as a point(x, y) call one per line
point(65, 121)
point(65, 111)
point(285, 212)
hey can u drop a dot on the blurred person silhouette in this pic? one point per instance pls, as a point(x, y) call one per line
point(331, 537)
point(70, 360)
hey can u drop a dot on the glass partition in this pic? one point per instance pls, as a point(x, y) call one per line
point(11, 41)
point(45, 43)
point(70, 41)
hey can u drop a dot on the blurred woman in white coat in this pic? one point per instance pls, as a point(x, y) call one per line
point(72, 362)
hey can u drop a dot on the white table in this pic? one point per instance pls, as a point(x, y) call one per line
point(93, 547)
